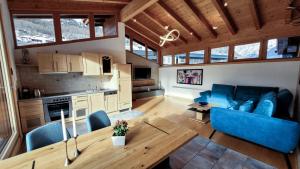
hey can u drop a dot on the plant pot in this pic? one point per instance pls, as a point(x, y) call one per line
point(118, 140)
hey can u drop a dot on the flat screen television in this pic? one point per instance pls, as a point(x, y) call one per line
point(142, 73)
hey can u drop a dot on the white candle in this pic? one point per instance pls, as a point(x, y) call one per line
point(63, 124)
point(74, 124)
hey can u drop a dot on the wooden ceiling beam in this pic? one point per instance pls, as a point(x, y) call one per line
point(225, 15)
point(134, 8)
point(160, 24)
point(201, 18)
point(255, 14)
point(122, 2)
point(148, 29)
point(83, 7)
point(178, 19)
point(142, 35)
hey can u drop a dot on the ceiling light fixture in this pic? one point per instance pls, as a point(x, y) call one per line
point(166, 27)
point(134, 20)
point(191, 33)
point(172, 35)
point(215, 27)
point(225, 4)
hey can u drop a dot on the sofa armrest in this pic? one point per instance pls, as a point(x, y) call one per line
point(204, 97)
point(278, 134)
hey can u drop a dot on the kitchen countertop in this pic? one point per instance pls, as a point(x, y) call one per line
point(73, 93)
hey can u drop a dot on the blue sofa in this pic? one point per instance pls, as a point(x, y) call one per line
point(251, 113)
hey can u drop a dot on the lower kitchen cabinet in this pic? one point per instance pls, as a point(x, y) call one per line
point(111, 103)
point(31, 114)
point(96, 102)
point(80, 105)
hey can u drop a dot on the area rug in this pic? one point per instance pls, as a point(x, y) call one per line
point(125, 115)
point(202, 153)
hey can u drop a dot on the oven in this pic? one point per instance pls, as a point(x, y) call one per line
point(53, 106)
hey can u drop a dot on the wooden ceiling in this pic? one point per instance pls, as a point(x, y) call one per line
point(197, 20)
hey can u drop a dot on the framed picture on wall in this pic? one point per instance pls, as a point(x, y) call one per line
point(190, 76)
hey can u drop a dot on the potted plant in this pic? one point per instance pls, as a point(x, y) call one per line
point(120, 130)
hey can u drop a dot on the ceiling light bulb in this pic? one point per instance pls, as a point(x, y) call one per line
point(134, 20)
point(215, 27)
point(191, 33)
point(166, 27)
point(225, 4)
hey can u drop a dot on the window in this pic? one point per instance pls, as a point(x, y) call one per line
point(127, 43)
point(180, 58)
point(8, 132)
point(152, 54)
point(247, 51)
point(139, 48)
point(283, 48)
point(31, 29)
point(74, 27)
point(197, 57)
point(99, 21)
point(219, 54)
point(167, 60)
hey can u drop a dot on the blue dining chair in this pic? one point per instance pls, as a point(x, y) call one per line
point(45, 135)
point(97, 120)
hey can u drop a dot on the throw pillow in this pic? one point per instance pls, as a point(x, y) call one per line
point(247, 106)
point(267, 104)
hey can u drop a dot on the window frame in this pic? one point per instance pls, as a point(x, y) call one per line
point(272, 59)
point(186, 58)
point(57, 27)
point(8, 85)
point(228, 54)
point(197, 51)
point(140, 43)
point(128, 37)
point(153, 49)
point(246, 43)
point(172, 57)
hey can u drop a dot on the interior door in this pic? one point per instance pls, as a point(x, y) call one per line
point(60, 62)
point(45, 61)
point(91, 64)
point(75, 63)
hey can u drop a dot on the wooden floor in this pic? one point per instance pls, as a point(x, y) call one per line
point(175, 109)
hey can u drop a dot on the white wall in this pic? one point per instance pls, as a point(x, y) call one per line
point(112, 46)
point(279, 74)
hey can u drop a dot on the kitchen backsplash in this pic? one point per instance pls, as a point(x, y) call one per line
point(55, 83)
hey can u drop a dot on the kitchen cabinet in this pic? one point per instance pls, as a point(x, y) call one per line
point(123, 82)
point(96, 102)
point(31, 114)
point(75, 63)
point(52, 63)
point(106, 64)
point(91, 64)
point(111, 103)
point(45, 62)
point(80, 105)
point(60, 63)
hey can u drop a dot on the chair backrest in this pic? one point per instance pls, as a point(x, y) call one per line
point(45, 135)
point(97, 120)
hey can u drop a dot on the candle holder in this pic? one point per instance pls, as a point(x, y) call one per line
point(67, 161)
point(77, 152)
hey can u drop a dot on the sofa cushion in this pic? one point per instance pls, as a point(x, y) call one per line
point(266, 105)
point(248, 105)
point(284, 100)
point(245, 93)
point(220, 94)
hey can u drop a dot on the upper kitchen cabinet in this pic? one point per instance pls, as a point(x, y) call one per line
point(106, 63)
point(123, 70)
point(91, 64)
point(75, 63)
point(52, 63)
point(60, 63)
point(45, 61)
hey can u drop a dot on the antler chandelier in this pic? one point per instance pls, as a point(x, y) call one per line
point(172, 35)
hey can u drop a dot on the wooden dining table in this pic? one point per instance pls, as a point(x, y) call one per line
point(149, 141)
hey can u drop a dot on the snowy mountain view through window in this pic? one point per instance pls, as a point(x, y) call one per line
point(247, 51)
point(31, 31)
